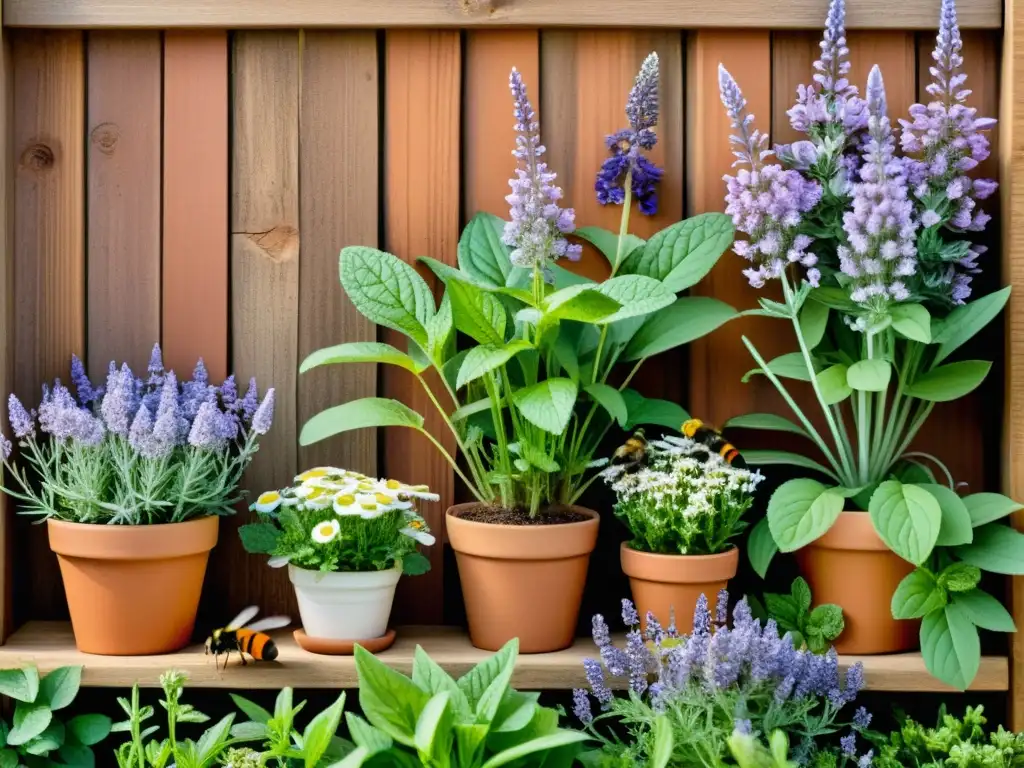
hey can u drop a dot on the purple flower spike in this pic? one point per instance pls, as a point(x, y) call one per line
point(250, 402)
point(701, 617)
point(229, 392)
point(204, 433)
point(118, 402)
point(848, 743)
point(264, 414)
point(629, 615)
point(861, 718)
point(156, 361)
point(595, 679)
point(5, 447)
point(599, 630)
point(581, 706)
point(22, 422)
point(538, 225)
point(627, 161)
point(83, 387)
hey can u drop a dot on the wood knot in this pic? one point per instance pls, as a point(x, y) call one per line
point(105, 137)
point(38, 157)
point(279, 244)
point(478, 6)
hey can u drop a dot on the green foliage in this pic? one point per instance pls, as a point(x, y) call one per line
point(36, 736)
point(434, 721)
point(749, 752)
point(265, 739)
point(813, 629)
point(528, 400)
point(954, 743)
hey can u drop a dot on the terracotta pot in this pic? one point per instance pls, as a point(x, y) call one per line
point(852, 567)
point(133, 590)
point(662, 584)
point(522, 581)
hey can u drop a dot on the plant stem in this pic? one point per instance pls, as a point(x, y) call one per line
point(502, 439)
point(864, 420)
point(623, 231)
point(481, 487)
point(455, 466)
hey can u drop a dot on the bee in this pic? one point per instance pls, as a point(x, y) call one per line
point(712, 439)
point(633, 452)
point(251, 639)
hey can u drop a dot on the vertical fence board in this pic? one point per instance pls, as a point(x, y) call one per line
point(6, 317)
point(124, 115)
point(264, 290)
point(49, 260)
point(895, 53)
point(421, 215)
point(487, 113)
point(195, 202)
point(793, 55)
point(718, 362)
point(338, 161)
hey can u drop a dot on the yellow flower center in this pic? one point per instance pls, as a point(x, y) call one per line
point(383, 498)
point(416, 524)
point(311, 473)
point(325, 529)
point(369, 507)
point(269, 497)
point(394, 485)
point(346, 500)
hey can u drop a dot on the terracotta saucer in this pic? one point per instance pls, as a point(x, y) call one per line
point(342, 647)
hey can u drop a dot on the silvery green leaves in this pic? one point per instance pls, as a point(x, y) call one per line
point(430, 717)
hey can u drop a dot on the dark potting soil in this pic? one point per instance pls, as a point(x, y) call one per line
point(504, 516)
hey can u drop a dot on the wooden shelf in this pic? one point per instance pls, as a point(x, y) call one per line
point(50, 644)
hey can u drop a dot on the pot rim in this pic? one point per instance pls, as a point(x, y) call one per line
point(732, 551)
point(679, 569)
point(852, 531)
point(96, 541)
point(500, 541)
point(304, 577)
point(452, 512)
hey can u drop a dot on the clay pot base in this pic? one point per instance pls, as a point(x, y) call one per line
point(326, 647)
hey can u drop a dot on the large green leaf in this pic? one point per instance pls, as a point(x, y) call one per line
point(769, 421)
point(541, 744)
point(387, 291)
point(653, 412)
point(949, 382)
point(996, 548)
point(913, 321)
point(547, 404)
point(611, 400)
point(688, 318)
point(765, 457)
point(956, 520)
point(482, 254)
point(801, 511)
point(359, 414)
point(608, 242)
point(360, 352)
point(476, 682)
point(583, 303)
point(59, 688)
point(30, 720)
point(988, 507)
point(637, 295)
point(434, 727)
point(20, 684)
point(833, 383)
point(907, 518)
point(761, 547)
point(869, 375)
point(389, 700)
point(661, 755)
point(789, 366)
point(486, 358)
point(477, 313)
point(682, 254)
point(813, 322)
point(960, 325)
point(950, 646)
point(985, 611)
point(917, 595)
point(317, 735)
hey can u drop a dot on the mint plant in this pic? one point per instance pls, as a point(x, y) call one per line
point(528, 400)
point(36, 736)
point(814, 629)
point(433, 721)
point(873, 255)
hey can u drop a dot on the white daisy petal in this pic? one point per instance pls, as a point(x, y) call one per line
point(423, 537)
point(326, 531)
point(267, 502)
point(279, 561)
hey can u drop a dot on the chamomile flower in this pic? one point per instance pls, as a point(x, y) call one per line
point(417, 530)
point(321, 500)
point(326, 531)
point(373, 505)
point(411, 491)
point(345, 504)
point(309, 474)
point(267, 502)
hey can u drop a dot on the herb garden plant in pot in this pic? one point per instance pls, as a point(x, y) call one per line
point(683, 507)
point(873, 254)
point(346, 539)
point(527, 401)
point(131, 480)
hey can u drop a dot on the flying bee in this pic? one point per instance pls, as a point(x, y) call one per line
point(246, 638)
point(633, 452)
point(712, 439)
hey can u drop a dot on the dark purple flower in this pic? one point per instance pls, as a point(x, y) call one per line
point(599, 630)
point(264, 415)
point(538, 225)
point(722, 607)
point(861, 718)
point(638, 659)
point(229, 393)
point(581, 706)
point(848, 744)
point(22, 422)
point(83, 387)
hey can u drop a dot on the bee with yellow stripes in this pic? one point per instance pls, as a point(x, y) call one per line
point(712, 439)
point(246, 638)
point(633, 452)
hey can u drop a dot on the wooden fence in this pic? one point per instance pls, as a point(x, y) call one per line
point(169, 180)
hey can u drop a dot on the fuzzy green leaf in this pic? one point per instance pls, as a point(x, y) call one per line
point(259, 538)
point(907, 518)
point(637, 296)
point(415, 564)
point(682, 254)
point(389, 699)
point(482, 255)
point(387, 291)
point(801, 511)
point(917, 594)
point(827, 621)
point(960, 577)
point(547, 404)
point(485, 358)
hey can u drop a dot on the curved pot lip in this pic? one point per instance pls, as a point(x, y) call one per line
point(852, 531)
point(309, 576)
point(452, 514)
point(679, 569)
point(133, 542)
point(499, 541)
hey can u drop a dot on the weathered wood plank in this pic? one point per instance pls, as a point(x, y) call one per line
point(264, 291)
point(49, 256)
point(693, 14)
point(421, 218)
point(7, 530)
point(195, 202)
point(338, 159)
point(124, 116)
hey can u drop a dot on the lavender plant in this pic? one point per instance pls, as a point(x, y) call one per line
point(717, 680)
point(528, 402)
point(685, 501)
point(137, 451)
point(872, 252)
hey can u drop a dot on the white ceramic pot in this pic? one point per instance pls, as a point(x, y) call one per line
point(344, 606)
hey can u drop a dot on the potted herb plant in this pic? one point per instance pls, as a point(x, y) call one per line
point(872, 252)
point(131, 481)
point(529, 399)
point(346, 539)
point(683, 508)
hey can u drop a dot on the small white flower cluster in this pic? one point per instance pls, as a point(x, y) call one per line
point(349, 494)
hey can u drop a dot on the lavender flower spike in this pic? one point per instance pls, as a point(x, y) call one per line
point(538, 225)
point(83, 387)
point(581, 706)
point(22, 422)
point(264, 414)
point(834, 64)
point(5, 448)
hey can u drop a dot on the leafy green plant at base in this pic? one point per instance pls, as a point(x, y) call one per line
point(276, 740)
point(434, 721)
point(873, 290)
point(955, 743)
point(814, 629)
point(749, 752)
point(36, 737)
